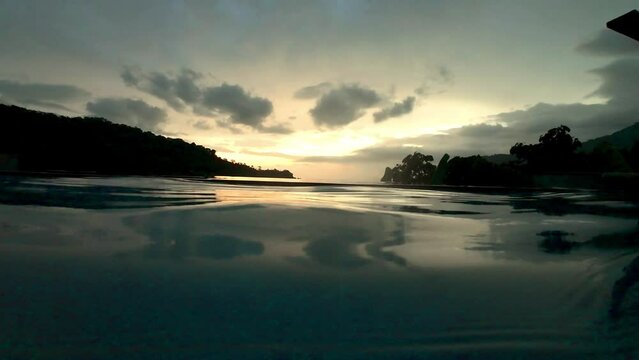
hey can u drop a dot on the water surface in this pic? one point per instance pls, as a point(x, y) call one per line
point(149, 268)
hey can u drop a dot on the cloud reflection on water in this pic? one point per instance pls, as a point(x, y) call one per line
point(330, 237)
point(300, 270)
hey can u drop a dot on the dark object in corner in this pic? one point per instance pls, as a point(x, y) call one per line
point(626, 24)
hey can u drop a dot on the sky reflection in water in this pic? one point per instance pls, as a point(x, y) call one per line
point(145, 268)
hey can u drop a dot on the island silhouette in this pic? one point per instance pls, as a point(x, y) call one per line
point(33, 141)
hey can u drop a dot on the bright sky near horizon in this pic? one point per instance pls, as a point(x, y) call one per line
point(332, 90)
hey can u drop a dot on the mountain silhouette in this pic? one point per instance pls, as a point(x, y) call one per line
point(623, 139)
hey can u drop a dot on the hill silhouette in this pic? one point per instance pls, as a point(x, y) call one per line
point(37, 141)
point(623, 139)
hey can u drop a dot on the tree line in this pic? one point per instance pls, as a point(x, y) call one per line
point(556, 153)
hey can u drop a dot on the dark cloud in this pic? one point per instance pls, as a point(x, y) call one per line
point(542, 116)
point(620, 80)
point(618, 86)
point(339, 106)
point(343, 105)
point(128, 111)
point(313, 91)
point(185, 87)
point(478, 130)
point(587, 121)
point(609, 43)
point(132, 77)
point(242, 107)
point(43, 95)
point(395, 110)
point(231, 105)
point(177, 91)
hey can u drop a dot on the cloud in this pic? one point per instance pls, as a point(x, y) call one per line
point(128, 111)
point(338, 249)
point(229, 104)
point(385, 153)
point(339, 106)
point(279, 129)
point(436, 83)
point(242, 107)
point(44, 95)
point(609, 43)
point(202, 125)
point(502, 130)
point(618, 86)
point(177, 91)
point(485, 139)
point(395, 110)
point(229, 125)
point(313, 91)
point(620, 80)
point(343, 105)
point(276, 129)
point(587, 121)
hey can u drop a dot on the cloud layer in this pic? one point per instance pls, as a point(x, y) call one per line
point(46, 95)
point(129, 112)
point(609, 43)
point(618, 86)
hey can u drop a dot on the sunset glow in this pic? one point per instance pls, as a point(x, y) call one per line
point(305, 85)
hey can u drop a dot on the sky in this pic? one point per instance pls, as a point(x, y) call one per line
point(331, 90)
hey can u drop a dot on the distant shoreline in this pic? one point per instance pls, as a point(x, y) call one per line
point(452, 188)
point(278, 183)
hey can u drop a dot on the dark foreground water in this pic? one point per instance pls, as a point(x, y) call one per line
point(139, 268)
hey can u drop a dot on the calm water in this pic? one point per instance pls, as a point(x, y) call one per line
point(142, 268)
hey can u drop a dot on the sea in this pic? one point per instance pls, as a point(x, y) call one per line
point(168, 268)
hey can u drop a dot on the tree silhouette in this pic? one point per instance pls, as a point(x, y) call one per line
point(554, 152)
point(415, 168)
point(442, 170)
